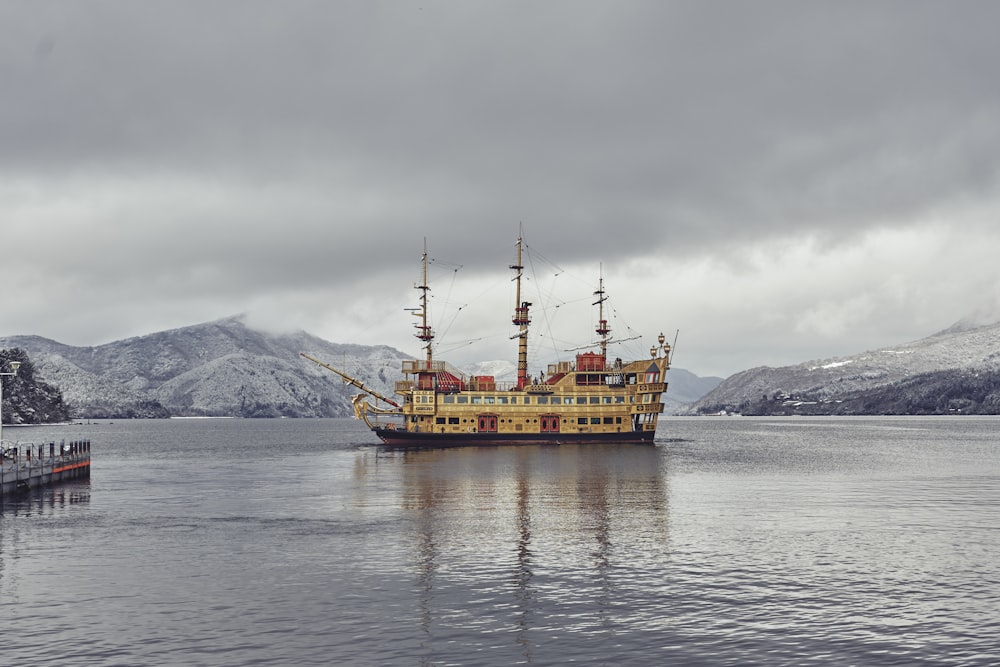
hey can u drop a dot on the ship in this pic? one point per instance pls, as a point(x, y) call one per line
point(589, 400)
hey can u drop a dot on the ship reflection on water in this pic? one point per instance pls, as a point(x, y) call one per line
point(519, 539)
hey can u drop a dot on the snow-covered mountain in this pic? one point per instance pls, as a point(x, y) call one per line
point(927, 375)
point(222, 368)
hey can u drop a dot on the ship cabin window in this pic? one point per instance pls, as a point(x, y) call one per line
point(619, 399)
point(448, 398)
point(581, 420)
point(439, 420)
point(477, 400)
point(556, 400)
point(502, 400)
point(568, 400)
point(595, 420)
point(527, 400)
point(490, 400)
point(452, 420)
point(606, 400)
point(463, 399)
point(609, 420)
point(542, 400)
point(594, 400)
point(630, 378)
point(652, 377)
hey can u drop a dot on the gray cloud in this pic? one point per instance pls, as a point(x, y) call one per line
point(163, 163)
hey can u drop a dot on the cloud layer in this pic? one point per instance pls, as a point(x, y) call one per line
point(780, 181)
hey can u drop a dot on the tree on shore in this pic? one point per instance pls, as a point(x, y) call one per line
point(27, 399)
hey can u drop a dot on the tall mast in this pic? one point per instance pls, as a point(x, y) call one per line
point(602, 324)
point(424, 332)
point(522, 320)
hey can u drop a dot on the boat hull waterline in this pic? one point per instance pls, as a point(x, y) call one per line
point(396, 439)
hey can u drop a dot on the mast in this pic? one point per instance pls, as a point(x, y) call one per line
point(602, 324)
point(522, 320)
point(424, 332)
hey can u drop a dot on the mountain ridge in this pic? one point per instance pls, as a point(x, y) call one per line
point(848, 384)
point(218, 368)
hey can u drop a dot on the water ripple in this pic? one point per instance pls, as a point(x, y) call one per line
point(732, 542)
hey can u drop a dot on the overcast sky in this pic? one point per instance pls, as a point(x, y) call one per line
point(779, 181)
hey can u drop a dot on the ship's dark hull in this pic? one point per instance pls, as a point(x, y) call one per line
point(399, 439)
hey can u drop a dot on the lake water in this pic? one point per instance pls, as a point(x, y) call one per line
point(733, 541)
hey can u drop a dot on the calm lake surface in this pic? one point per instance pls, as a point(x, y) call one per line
point(740, 541)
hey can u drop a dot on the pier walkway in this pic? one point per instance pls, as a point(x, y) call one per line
point(26, 466)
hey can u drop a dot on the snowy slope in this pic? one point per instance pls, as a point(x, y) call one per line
point(216, 368)
point(960, 347)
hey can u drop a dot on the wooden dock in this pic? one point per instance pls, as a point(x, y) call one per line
point(26, 466)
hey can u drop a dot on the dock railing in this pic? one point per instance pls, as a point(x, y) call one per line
point(26, 465)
